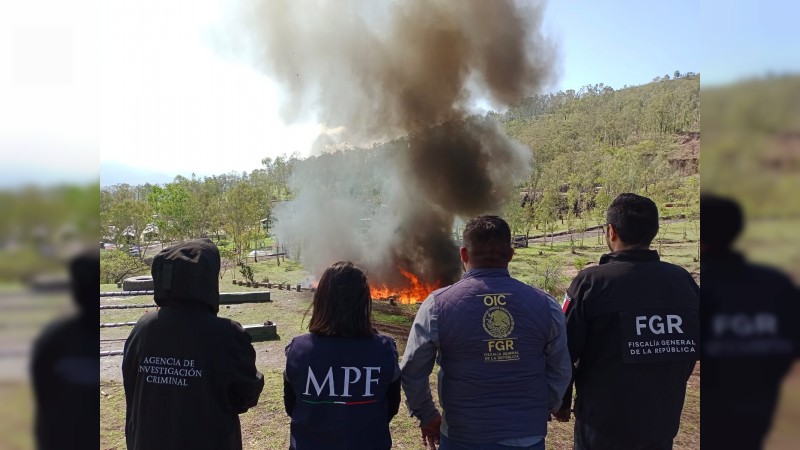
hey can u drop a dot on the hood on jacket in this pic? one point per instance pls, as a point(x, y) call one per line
point(84, 274)
point(187, 273)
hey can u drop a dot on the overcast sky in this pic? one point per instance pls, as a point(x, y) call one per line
point(139, 84)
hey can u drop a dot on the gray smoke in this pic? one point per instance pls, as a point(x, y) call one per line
point(410, 73)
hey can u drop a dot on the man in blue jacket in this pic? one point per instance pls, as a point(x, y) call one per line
point(501, 347)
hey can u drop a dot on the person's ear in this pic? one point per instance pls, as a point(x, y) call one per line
point(511, 254)
point(464, 254)
point(612, 233)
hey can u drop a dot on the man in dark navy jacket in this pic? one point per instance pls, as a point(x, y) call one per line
point(187, 373)
point(632, 326)
point(501, 349)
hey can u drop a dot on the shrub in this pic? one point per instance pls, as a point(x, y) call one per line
point(116, 265)
point(246, 271)
point(24, 264)
point(551, 277)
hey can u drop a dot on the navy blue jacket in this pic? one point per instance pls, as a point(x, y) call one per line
point(502, 352)
point(340, 390)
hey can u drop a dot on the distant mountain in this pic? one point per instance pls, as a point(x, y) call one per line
point(112, 173)
point(14, 176)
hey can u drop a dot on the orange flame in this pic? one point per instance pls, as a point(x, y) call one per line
point(416, 292)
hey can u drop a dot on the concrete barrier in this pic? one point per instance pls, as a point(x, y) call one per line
point(267, 331)
point(142, 283)
point(227, 298)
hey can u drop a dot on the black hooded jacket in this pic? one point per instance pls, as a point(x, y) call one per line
point(65, 370)
point(188, 373)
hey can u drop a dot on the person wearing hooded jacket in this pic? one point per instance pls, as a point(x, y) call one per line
point(187, 373)
point(65, 370)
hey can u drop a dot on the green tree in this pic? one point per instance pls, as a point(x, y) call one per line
point(116, 265)
point(548, 211)
point(278, 171)
point(172, 206)
point(514, 214)
point(125, 222)
point(242, 216)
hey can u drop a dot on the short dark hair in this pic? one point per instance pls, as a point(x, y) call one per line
point(342, 305)
point(722, 221)
point(635, 218)
point(488, 240)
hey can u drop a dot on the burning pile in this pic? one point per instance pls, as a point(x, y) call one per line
point(413, 292)
point(409, 75)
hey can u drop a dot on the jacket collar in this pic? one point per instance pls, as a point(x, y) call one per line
point(185, 304)
point(630, 255)
point(486, 272)
point(728, 261)
point(731, 257)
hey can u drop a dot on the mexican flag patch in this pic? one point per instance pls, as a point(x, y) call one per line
point(565, 303)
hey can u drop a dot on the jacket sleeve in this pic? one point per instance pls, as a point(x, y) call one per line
point(558, 368)
point(289, 399)
point(129, 362)
point(393, 394)
point(393, 398)
point(575, 319)
point(417, 363)
point(576, 330)
point(247, 382)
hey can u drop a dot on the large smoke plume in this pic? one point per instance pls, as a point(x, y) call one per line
point(411, 72)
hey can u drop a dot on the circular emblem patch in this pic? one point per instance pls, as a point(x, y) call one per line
point(498, 322)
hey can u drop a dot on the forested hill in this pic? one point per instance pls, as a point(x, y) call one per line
point(587, 147)
point(753, 144)
point(667, 105)
point(590, 145)
point(600, 117)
